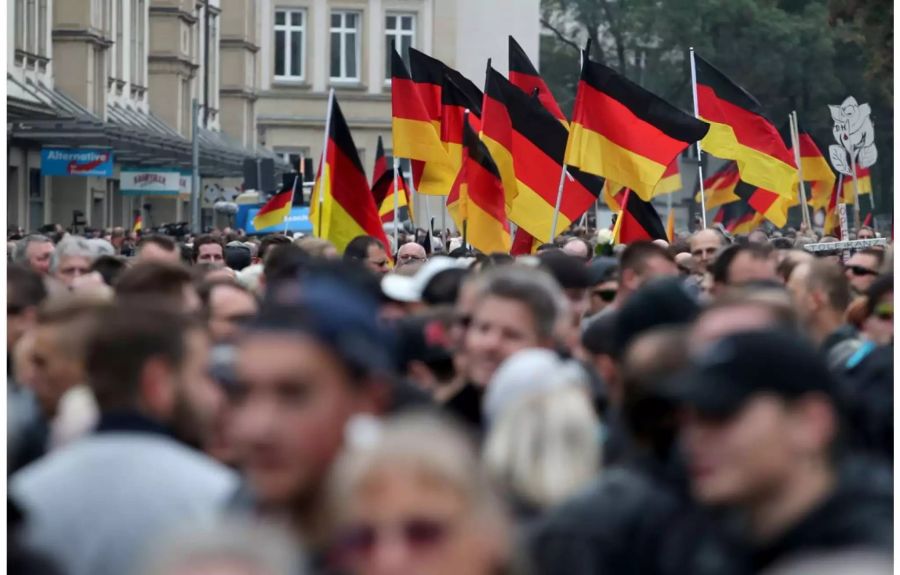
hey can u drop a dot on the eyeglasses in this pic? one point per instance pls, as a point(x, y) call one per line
point(606, 295)
point(861, 271)
point(418, 533)
point(408, 259)
point(884, 311)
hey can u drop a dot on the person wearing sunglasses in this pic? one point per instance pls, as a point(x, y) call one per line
point(604, 275)
point(862, 269)
point(410, 497)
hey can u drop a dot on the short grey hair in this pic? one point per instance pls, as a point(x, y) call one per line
point(534, 288)
point(258, 548)
point(21, 253)
point(72, 247)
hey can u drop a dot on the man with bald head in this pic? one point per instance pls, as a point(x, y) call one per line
point(410, 253)
point(579, 248)
point(705, 244)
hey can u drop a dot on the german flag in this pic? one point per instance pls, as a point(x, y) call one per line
point(671, 180)
point(276, 209)
point(383, 192)
point(813, 164)
point(613, 195)
point(528, 145)
point(738, 217)
point(476, 201)
point(380, 163)
point(523, 243)
point(454, 103)
point(524, 76)
point(772, 206)
point(622, 132)
point(138, 224)
point(719, 188)
point(416, 132)
point(638, 221)
point(863, 181)
point(832, 225)
point(739, 131)
point(348, 208)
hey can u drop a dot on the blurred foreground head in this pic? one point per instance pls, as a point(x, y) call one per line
point(314, 357)
point(410, 497)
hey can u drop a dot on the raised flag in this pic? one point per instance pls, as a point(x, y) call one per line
point(832, 225)
point(771, 205)
point(718, 189)
point(138, 225)
point(342, 206)
point(276, 210)
point(416, 133)
point(383, 192)
point(528, 144)
point(738, 217)
point(380, 163)
point(524, 76)
point(623, 132)
point(454, 103)
point(638, 221)
point(477, 197)
point(613, 194)
point(523, 243)
point(739, 131)
point(671, 180)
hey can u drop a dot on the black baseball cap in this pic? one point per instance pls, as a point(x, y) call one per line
point(742, 365)
point(660, 302)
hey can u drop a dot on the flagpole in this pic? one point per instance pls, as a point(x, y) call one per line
point(464, 183)
point(559, 192)
point(396, 206)
point(856, 218)
point(795, 142)
point(322, 160)
point(699, 151)
point(293, 193)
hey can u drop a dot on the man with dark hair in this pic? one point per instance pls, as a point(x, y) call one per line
point(821, 295)
point(109, 268)
point(284, 263)
point(298, 380)
point(740, 264)
point(862, 268)
point(760, 436)
point(227, 305)
point(237, 255)
point(270, 242)
point(159, 280)
point(25, 291)
point(147, 369)
point(639, 263)
point(369, 252)
point(209, 249)
point(159, 248)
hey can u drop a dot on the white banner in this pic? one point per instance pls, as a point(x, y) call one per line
point(149, 183)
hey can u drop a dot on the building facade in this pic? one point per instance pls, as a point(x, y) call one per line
point(308, 47)
point(100, 93)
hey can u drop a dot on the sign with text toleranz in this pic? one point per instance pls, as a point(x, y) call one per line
point(77, 162)
point(149, 182)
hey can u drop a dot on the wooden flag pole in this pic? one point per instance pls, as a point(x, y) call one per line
point(322, 175)
point(559, 193)
point(795, 143)
point(699, 151)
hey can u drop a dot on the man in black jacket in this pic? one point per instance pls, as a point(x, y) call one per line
point(760, 438)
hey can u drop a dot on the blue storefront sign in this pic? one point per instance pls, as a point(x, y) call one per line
point(77, 162)
point(297, 221)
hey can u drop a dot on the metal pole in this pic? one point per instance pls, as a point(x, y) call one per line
point(699, 151)
point(396, 206)
point(322, 174)
point(196, 227)
point(795, 137)
point(559, 192)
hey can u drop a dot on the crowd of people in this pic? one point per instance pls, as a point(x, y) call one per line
point(267, 406)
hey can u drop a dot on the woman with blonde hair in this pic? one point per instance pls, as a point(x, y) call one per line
point(409, 496)
point(543, 444)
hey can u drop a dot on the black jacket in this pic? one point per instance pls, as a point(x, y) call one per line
point(867, 389)
point(634, 519)
point(857, 515)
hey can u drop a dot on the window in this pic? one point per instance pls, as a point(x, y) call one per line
point(345, 46)
point(290, 30)
point(400, 35)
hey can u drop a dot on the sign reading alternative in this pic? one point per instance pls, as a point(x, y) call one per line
point(77, 162)
point(144, 182)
